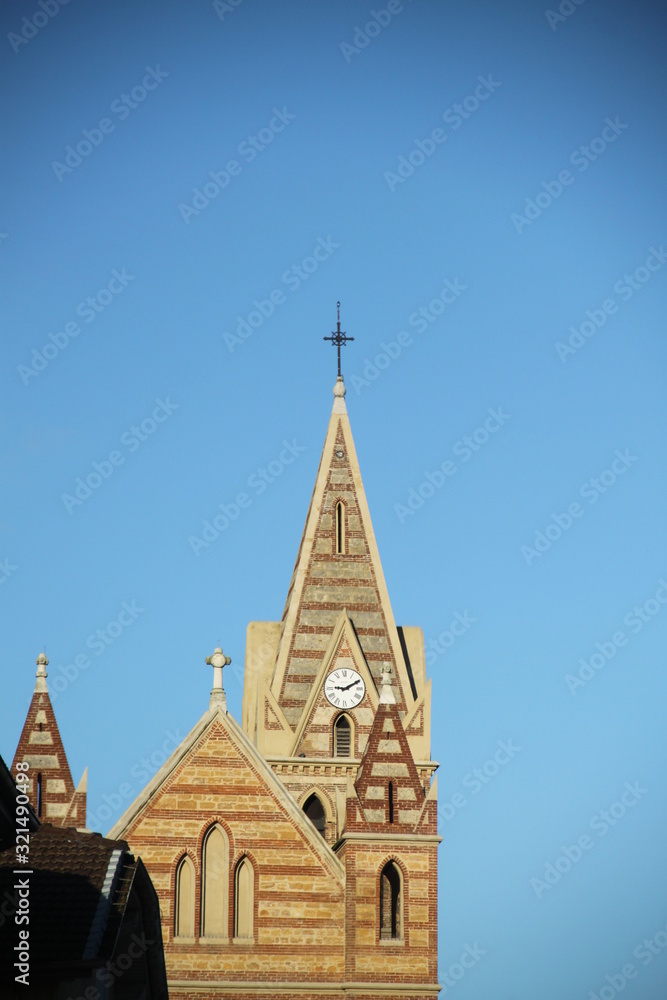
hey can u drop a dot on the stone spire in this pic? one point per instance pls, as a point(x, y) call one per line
point(337, 569)
point(50, 786)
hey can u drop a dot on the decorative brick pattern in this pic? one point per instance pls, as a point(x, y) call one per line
point(334, 583)
point(57, 801)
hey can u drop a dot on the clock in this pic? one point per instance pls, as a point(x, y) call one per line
point(344, 688)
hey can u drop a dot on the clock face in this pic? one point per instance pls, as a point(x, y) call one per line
point(344, 688)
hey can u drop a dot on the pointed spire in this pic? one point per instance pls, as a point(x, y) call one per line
point(388, 785)
point(50, 787)
point(337, 567)
point(218, 661)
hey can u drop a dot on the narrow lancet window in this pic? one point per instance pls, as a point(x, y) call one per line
point(314, 810)
point(390, 903)
point(391, 801)
point(214, 884)
point(39, 794)
point(340, 528)
point(184, 902)
point(244, 884)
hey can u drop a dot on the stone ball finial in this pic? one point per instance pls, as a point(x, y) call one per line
point(339, 388)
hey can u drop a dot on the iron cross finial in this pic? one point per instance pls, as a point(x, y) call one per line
point(338, 338)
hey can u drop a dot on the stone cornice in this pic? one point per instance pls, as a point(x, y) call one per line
point(389, 838)
point(262, 988)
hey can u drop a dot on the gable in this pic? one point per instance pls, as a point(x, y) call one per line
point(313, 735)
point(217, 773)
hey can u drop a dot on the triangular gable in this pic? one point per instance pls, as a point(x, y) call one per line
point(324, 582)
point(168, 774)
point(343, 648)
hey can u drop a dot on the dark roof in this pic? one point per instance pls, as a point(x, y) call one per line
point(78, 886)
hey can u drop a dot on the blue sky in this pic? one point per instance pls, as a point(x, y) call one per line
point(482, 187)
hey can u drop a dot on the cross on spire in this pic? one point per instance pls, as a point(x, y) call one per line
point(338, 338)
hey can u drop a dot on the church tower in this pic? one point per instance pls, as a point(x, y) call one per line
point(312, 680)
point(50, 787)
point(296, 854)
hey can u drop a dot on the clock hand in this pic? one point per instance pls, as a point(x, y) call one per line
point(346, 687)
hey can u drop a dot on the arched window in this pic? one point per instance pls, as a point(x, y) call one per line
point(214, 884)
point(184, 902)
point(340, 528)
point(342, 737)
point(244, 900)
point(391, 903)
point(390, 791)
point(314, 810)
point(39, 794)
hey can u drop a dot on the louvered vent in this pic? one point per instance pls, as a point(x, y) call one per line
point(342, 738)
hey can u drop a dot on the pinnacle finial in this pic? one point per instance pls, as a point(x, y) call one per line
point(41, 675)
point(386, 691)
point(218, 660)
